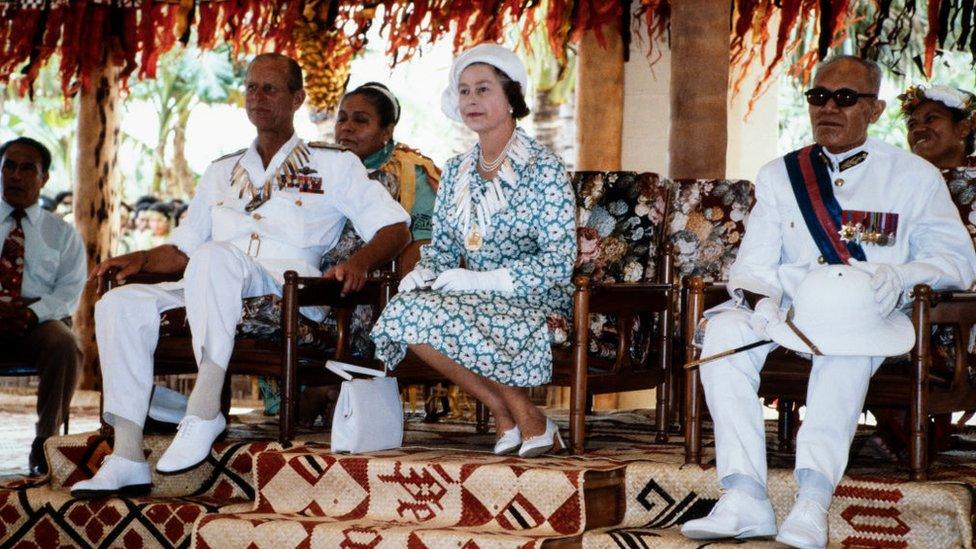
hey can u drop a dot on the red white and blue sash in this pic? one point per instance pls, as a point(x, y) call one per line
point(822, 213)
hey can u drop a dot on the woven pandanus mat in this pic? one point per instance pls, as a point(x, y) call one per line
point(226, 474)
point(477, 491)
point(866, 511)
point(251, 530)
point(37, 515)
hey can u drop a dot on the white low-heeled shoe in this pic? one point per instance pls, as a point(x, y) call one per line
point(508, 442)
point(541, 444)
point(191, 445)
point(116, 476)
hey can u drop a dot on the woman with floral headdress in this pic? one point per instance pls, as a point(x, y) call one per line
point(507, 210)
point(941, 124)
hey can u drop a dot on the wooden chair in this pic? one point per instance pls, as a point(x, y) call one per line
point(899, 383)
point(706, 221)
point(13, 367)
point(624, 299)
point(281, 357)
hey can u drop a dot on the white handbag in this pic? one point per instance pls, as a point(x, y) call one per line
point(369, 415)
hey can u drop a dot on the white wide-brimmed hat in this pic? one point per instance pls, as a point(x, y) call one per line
point(834, 308)
point(490, 54)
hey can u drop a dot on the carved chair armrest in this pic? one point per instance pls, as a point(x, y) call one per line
point(625, 297)
point(312, 291)
point(931, 308)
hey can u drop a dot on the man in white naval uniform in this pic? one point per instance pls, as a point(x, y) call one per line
point(916, 237)
point(278, 205)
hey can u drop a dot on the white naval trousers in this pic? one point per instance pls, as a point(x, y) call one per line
point(217, 278)
point(835, 397)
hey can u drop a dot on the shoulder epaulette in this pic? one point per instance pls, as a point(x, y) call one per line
point(228, 155)
point(326, 145)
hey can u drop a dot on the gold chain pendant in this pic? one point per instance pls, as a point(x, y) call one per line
point(474, 240)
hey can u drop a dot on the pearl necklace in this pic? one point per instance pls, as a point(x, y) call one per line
point(475, 219)
point(488, 167)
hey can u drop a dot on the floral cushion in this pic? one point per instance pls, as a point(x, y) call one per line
point(620, 216)
point(962, 187)
point(706, 223)
point(620, 230)
point(261, 320)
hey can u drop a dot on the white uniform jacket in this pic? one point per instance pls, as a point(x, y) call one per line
point(778, 250)
point(293, 228)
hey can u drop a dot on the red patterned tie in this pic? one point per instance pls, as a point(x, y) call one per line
point(12, 260)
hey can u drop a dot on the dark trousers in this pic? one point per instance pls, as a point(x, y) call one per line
point(52, 349)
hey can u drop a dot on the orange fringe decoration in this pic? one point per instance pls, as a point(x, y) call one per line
point(134, 33)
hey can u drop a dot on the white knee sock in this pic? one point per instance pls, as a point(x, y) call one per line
point(204, 400)
point(128, 440)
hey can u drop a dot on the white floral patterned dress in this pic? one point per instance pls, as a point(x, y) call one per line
point(498, 335)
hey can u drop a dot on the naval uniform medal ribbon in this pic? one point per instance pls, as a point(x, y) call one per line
point(821, 212)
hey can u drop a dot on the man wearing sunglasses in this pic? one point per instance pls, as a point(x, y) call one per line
point(846, 199)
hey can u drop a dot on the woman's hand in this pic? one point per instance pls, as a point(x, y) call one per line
point(417, 279)
point(465, 280)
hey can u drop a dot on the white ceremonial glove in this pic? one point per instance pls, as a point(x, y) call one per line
point(889, 281)
point(417, 279)
point(765, 312)
point(465, 280)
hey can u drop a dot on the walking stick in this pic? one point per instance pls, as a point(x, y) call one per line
point(724, 354)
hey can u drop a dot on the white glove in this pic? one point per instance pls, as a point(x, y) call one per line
point(765, 312)
point(419, 278)
point(465, 280)
point(890, 281)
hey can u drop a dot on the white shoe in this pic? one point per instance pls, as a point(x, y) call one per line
point(806, 526)
point(117, 475)
point(541, 444)
point(508, 442)
point(191, 445)
point(735, 515)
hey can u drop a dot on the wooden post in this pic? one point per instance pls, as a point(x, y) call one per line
point(600, 102)
point(95, 196)
point(700, 58)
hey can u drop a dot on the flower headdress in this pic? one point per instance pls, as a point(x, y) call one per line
point(950, 97)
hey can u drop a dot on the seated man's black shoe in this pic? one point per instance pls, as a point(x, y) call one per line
point(37, 461)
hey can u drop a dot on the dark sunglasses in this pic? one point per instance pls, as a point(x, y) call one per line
point(843, 97)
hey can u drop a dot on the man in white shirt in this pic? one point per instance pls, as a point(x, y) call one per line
point(847, 199)
point(42, 274)
point(275, 206)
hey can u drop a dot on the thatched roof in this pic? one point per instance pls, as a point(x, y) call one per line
point(326, 34)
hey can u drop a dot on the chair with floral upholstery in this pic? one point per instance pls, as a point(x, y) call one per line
point(706, 221)
point(620, 336)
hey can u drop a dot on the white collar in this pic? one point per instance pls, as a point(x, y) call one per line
point(33, 212)
point(835, 160)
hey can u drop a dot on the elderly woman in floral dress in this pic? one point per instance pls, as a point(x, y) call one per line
point(506, 209)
